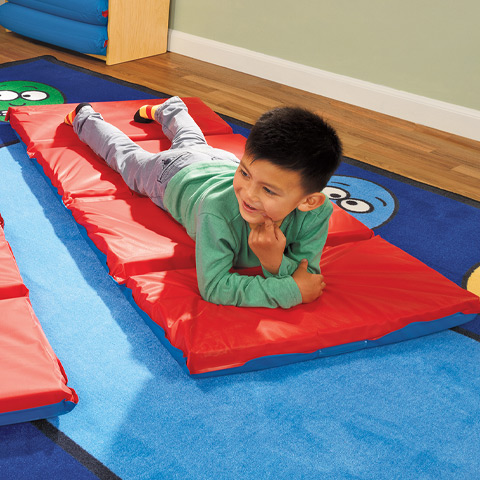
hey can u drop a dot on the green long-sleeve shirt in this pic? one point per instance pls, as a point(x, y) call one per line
point(202, 199)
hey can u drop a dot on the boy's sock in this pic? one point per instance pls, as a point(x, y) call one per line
point(145, 114)
point(71, 116)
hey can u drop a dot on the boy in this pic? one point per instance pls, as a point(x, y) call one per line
point(266, 209)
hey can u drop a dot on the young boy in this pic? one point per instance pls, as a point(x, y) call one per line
point(267, 209)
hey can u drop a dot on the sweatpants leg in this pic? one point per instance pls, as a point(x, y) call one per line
point(133, 163)
point(178, 125)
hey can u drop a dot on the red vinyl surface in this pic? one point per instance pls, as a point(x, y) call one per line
point(373, 288)
point(11, 283)
point(31, 376)
point(135, 235)
point(38, 124)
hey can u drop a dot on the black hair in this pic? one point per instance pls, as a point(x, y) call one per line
point(297, 139)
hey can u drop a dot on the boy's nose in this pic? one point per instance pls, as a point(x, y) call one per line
point(253, 194)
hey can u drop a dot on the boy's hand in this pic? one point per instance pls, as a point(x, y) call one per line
point(268, 242)
point(311, 285)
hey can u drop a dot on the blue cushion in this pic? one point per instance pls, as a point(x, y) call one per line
point(78, 36)
point(87, 11)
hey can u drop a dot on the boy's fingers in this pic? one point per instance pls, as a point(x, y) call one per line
point(268, 222)
point(269, 228)
point(278, 233)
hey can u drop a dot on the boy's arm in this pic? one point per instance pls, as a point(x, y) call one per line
point(214, 259)
point(308, 245)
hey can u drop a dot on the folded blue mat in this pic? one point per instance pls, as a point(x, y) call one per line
point(64, 32)
point(88, 11)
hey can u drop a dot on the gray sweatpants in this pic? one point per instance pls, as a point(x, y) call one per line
point(145, 172)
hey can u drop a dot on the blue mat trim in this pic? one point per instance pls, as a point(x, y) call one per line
point(30, 414)
point(413, 330)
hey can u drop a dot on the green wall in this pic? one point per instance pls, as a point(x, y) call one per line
point(426, 47)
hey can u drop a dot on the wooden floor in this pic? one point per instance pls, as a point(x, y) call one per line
point(429, 156)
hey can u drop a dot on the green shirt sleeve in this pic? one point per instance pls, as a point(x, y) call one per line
point(215, 247)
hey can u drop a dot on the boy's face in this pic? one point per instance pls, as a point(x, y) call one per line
point(264, 189)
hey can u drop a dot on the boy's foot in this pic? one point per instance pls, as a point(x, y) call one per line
point(145, 114)
point(71, 116)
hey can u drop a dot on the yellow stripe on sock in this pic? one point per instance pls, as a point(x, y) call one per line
point(154, 108)
point(148, 111)
point(70, 117)
point(143, 111)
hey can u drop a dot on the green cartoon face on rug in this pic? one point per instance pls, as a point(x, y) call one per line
point(16, 93)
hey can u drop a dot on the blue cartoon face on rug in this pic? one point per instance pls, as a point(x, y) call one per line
point(17, 93)
point(367, 201)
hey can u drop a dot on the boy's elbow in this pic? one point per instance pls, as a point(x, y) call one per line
point(224, 293)
point(211, 293)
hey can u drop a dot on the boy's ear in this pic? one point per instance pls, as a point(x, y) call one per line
point(313, 201)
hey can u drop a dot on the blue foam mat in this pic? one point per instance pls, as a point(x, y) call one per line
point(88, 11)
point(64, 32)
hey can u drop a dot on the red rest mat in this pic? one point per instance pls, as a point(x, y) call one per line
point(373, 288)
point(33, 383)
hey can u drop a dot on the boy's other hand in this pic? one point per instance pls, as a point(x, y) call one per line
point(268, 242)
point(311, 285)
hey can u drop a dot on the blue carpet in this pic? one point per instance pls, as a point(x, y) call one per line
point(403, 411)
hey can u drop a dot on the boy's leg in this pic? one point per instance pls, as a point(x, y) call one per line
point(176, 122)
point(119, 151)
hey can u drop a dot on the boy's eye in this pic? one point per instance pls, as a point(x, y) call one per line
point(267, 190)
point(243, 173)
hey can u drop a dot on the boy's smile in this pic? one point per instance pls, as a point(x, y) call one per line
point(264, 189)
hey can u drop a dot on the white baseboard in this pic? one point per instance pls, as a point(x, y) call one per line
point(407, 106)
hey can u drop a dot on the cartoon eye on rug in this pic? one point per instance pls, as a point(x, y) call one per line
point(16, 93)
point(367, 201)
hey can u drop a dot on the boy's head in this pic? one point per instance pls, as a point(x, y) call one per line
point(290, 155)
point(298, 140)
